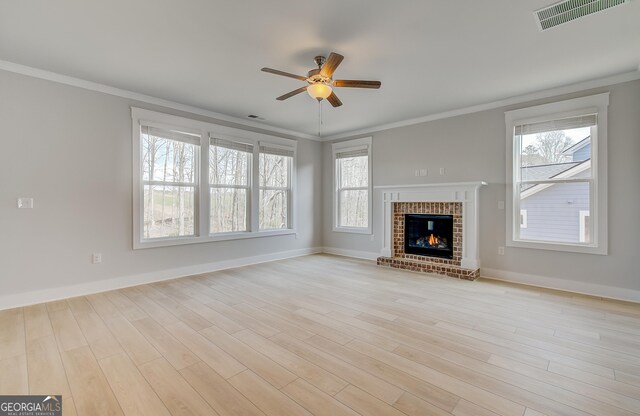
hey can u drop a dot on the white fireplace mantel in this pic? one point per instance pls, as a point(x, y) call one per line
point(464, 192)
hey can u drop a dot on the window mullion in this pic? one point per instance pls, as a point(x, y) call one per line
point(554, 181)
point(204, 204)
point(354, 188)
point(274, 188)
point(291, 181)
point(253, 220)
point(220, 185)
point(163, 183)
point(338, 198)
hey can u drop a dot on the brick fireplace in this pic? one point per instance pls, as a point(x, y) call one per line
point(457, 201)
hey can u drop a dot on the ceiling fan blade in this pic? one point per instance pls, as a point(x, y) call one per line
point(291, 94)
point(284, 74)
point(331, 64)
point(354, 83)
point(334, 100)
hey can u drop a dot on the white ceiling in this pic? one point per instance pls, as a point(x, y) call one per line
point(431, 55)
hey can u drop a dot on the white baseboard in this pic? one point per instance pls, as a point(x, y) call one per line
point(367, 255)
point(48, 295)
point(574, 286)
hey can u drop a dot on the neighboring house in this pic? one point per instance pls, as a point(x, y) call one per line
point(569, 202)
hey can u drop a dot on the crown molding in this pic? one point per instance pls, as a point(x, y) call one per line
point(118, 92)
point(568, 89)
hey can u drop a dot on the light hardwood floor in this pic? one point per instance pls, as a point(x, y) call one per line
point(326, 335)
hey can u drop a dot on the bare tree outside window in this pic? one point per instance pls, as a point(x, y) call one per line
point(353, 191)
point(169, 180)
point(552, 144)
point(229, 184)
point(274, 181)
point(198, 182)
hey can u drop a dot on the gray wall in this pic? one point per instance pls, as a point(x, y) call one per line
point(471, 148)
point(70, 149)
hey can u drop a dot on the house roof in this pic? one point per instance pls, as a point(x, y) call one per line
point(539, 172)
point(569, 169)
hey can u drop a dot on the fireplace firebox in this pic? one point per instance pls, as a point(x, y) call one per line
point(428, 235)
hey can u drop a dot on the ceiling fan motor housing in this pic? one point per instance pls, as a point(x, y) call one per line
point(319, 60)
point(316, 78)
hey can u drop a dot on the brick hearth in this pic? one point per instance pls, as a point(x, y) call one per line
point(426, 264)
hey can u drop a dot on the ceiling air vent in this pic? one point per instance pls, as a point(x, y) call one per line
point(569, 10)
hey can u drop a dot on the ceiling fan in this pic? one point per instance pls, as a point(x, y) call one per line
point(321, 82)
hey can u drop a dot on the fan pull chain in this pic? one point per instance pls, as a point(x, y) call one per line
point(319, 118)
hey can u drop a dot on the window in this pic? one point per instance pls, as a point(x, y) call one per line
point(200, 182)
point(170, 182)
point(229, 181)
point(275, 186)
point(557, 165)
point(352, 183)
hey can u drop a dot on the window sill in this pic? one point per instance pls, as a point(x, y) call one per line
point(352, 230)
point(169, 242)
point(248, 234)
point(562, 247)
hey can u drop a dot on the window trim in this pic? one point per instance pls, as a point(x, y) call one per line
point(597, 104)
point(248, 187)
point(341, 147)
point(291, 186)
point(142, 116)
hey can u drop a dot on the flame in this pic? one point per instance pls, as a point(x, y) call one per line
point(433, 240)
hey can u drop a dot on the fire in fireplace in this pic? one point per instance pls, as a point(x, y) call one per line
point(428, 235)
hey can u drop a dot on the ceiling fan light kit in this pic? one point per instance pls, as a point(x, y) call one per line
point(321, 81)
point(319, 91)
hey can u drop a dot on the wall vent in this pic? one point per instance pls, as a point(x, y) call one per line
point(569, 10)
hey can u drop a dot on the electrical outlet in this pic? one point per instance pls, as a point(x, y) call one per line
point(443, 171)
point(500, 204)
point(96, 258)
point(417, 172)
point(423, 172)
point(501, 251)
point(25, 203)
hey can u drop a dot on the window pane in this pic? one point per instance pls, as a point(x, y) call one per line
point(354, 208)
point(354, 172)
point(228, 166)
point(556, 212)
point(554, 154)
point(273, 209)
point(274, 170)
point(228, 210)
point(168, 160)
point(168, 211)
